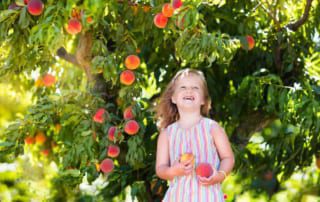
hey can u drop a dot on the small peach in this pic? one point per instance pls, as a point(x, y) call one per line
point(160, 20)
point(74, 26)
point(167, 10)
point(48, 80)
point(176, 4)
point(99, 115)
point(127, 77)
point(113, 151)
point(45, 152)
point(106, 165)
point(35, 7)
point(128, 113)
point(131, 127)
point(29, 140)
point(132, 62)
point(40, 138)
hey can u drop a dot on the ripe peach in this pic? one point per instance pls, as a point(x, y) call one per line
point(127, 77)
point(74, 26)
point(113, 151)
point(160, 20)
point(45, 152)
point(186, 157)
point(204, 170)
point(40, 138)
point(176, 4)
point(131, 127)
point(167, 10)
point(29, 140)
point(48, 80)
point(132, 62)
point(111, 132)
point(99, 115)
point(249, 44)
point(106, 165)
point(128, 113)
point(35, 7)
point(89, 20)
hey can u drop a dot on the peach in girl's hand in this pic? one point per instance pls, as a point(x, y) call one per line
point(204, 170)
point(186, 157)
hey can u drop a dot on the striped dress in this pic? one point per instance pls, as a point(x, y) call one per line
point(198, 141)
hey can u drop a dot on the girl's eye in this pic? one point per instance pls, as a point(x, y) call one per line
point(183, 87)
point(195, 88)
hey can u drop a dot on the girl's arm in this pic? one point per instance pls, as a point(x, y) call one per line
point(224, 150)
point(163, 169)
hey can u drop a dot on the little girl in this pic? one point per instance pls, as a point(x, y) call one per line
point(185, 130)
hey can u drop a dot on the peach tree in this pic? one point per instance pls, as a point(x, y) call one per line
point(97, 68)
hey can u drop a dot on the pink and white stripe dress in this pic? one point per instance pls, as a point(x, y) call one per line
point(198, 141)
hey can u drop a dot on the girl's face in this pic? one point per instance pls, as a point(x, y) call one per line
point(188, 92)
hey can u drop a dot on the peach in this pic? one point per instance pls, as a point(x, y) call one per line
point(113, 151)
point(186, 157)
point(127, 77)
point(167, 10)
point(204, 170)
point(40, 138)
point(29, 140)
point(131, 127)
point(250, 40)
point(132, 62)
point(106, 165)
point(74, 26)
point(89, 19)
point(160, 20)
point(26, 2)
point(128, 113)
point(111, 132)
point(250, 43)
point(99, 115)
point(45, 152)
point(176, 4)
point(35, 7)
point(48, 80)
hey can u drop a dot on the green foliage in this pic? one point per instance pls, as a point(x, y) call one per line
point(267, 98)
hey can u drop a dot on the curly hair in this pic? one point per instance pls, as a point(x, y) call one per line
point(167, 112)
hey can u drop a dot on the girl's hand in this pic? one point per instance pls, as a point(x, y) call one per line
point(213, 179)
point(183, 168)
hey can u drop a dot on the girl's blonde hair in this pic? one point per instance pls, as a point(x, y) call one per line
point(167, 112)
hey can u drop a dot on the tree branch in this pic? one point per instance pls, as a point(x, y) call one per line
point(82, 58)
point(294, 26)
point(63, 54)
